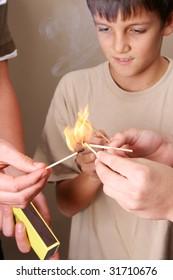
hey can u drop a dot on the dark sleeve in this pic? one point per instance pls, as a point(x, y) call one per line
point(7, 45)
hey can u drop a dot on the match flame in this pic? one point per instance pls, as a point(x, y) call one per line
point(82, 130)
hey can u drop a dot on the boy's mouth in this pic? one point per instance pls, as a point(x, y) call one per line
point(123, 61)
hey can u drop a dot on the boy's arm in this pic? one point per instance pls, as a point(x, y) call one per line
point(75, 194)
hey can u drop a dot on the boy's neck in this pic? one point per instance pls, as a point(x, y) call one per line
point(143, 80)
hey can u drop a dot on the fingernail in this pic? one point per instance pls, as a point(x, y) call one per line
point(39, 164)
point(46, 173)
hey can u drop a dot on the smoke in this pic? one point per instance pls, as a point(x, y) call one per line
point(70, 32)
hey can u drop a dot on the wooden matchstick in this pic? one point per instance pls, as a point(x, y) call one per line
point(109, 147)
point(63, 159)
point(89, 147)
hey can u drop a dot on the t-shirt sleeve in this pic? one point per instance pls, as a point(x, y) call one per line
point(7, 45)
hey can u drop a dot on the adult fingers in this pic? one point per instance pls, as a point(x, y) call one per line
point(10, 155)
point(9, 183)
point(121, 165)
point(21, 237)
point(110, 178)
point(7, 221)
point(23, 190)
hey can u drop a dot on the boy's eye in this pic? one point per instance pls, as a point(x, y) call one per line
point(103, 29)
point(138, 31)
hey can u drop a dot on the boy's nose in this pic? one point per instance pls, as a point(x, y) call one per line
point(121, 45)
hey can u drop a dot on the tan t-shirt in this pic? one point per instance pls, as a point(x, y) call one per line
point(104, 230)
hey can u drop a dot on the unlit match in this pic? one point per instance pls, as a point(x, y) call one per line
point(109, 147)
point(63, 159)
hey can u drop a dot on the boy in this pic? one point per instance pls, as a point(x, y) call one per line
point(133, 88)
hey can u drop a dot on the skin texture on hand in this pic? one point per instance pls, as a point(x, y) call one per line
point(18, 191)
point(146, 143)
point(140, 185)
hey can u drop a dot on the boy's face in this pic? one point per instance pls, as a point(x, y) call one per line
point(131, 46)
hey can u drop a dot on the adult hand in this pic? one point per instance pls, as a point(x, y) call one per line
point(10, 229)
point(145, 143)
point(19, 191)
point(141, 186)
point(20, 232)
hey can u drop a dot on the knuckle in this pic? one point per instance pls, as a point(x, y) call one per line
point(134, 205)
point(138, 196)
point(24, 204)
point(16, 185)
point(23, 200)
point(143, 176)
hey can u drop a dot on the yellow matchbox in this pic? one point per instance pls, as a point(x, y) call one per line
point(42, 239)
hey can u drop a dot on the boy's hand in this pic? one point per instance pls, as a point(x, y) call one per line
point(86, 159)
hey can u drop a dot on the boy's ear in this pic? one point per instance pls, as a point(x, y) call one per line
point(168, 28)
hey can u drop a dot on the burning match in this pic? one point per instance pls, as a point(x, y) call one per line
point(109, 147)
point(84, 129)
point(63, 159)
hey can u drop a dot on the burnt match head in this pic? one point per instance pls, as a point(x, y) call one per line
point(81, 150)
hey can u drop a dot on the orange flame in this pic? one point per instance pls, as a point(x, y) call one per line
point(82, 130)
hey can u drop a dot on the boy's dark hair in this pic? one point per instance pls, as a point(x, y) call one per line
point(109, 8)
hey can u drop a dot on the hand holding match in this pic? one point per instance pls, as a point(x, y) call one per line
point(76, 135)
